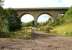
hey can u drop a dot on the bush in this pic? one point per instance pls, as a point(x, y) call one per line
point(3, 21)
point(8, 22)
point(68, 15)
point(13, 22)
point(27, 24)
point(68, 33)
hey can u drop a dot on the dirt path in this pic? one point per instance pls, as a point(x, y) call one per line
point(48, 43)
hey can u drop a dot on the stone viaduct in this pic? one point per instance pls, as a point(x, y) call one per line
point(36, 12)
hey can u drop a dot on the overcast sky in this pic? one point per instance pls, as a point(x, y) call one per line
point(36, 3)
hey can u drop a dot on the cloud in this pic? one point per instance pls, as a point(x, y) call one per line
point(36, 3)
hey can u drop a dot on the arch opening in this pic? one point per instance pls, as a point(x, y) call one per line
point(43, 18)
point(27, 18)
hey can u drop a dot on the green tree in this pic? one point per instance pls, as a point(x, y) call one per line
point(4, 27)
point(3, 21)
point(8, 22)
point(13, 21)
point(68, 15)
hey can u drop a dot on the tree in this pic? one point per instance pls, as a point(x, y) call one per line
point(8, 22)
point(68, 15)
point(13, 21)
point(4, 28)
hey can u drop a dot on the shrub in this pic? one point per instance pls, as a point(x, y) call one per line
point(3, 21)
point(8, 22)
point(68, 33)
point(13, 22)
point(68, 15)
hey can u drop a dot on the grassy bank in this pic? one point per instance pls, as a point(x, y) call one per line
point(63, 29)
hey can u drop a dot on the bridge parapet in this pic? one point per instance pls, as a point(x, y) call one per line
point(36, 12)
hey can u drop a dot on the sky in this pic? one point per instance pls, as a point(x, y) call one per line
point(27, 18)
point(43, 18)
point(36, 3)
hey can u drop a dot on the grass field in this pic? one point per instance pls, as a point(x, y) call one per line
point(62, 29)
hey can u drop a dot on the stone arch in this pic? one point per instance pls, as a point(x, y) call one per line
point(28, 17)
point(46, 14)
point(24, 14)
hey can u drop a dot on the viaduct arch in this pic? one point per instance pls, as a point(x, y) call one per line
point(36, 12)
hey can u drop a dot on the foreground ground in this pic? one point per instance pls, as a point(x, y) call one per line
point(37, 43)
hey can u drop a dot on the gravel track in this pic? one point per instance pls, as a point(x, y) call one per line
point(40, 43)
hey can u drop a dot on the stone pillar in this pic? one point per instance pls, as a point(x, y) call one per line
point(35, 21)
point(34, 25)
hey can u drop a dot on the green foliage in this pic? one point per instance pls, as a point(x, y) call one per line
point(51, 22)
point(14, 22)
point(68, 15)
point(58, 21)
point(68, 33)
point(3, 21)
point(8, 22)
point(4, 27)
point(27, 24)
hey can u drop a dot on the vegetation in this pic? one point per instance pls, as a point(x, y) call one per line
point(8, 22)
point(3, 21)
point(14, 22)
point(62, 25)
point(68, 15)
point(66, 27)
point(27, 24)
point(11, 26)
point(45, 27)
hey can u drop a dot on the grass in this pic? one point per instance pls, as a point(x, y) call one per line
point(23, 33)
point(26, 32)
point(63, 29)
point(42, 28)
